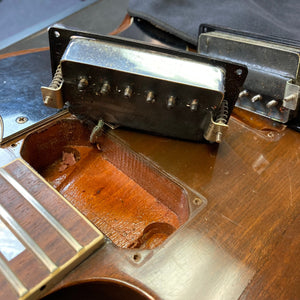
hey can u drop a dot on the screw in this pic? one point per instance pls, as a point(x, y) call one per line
point(56, 34)
point(271, 103)
point(243, 93)
point(47, 100)
point(291, 97)
point(171, 102)
point(105, 88)
point(150, 97)
point(219, 137)
point(83, 83)
point(238, 72)
point(128, 92)
point(21, 120)
point(256, 98)
point(194, 105)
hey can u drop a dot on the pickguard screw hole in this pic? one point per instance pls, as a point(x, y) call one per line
point(137, 257)
point(197, 201)
point(43, 287)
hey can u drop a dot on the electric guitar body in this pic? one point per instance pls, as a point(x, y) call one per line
point(140, 216)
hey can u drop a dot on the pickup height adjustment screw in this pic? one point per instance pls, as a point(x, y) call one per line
point(292, 97)
point(150, 97)
point(171, 102)
point(221, 119)
point(256, 98)
point(83, 83)
point(105, 88)
point(243, 93)
point(271, 104)
point(194, 105)
point(128, 92)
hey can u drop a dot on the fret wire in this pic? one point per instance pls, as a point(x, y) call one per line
point(19, 188)
point(12, 278)
point(30, 243)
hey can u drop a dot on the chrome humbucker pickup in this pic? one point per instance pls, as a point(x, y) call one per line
point(272, 87)
point(162, 91)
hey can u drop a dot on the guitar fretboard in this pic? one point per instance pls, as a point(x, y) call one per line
point(42, 236)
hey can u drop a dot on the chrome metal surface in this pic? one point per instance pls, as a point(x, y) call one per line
point(117, 63)
point(62, 231)
point(272, 67)
point(118, 68)
point(145, 63)
point(12, 278)
point(30, 243)
point(20, 95)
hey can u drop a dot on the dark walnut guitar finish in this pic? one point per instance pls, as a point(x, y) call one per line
point(244, 244)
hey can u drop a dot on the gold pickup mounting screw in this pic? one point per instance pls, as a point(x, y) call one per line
point(83, 83)
point(105, 88)
point(171, 102)
point(128, 92)
point(194, 105)
point(150, 97)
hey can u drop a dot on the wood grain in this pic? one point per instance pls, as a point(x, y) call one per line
point(127, 199)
